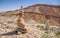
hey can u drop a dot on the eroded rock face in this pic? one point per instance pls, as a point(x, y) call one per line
point(41, 18)
point(36, 17)
point(40, 13)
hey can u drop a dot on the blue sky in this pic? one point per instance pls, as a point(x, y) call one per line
point(6, 5)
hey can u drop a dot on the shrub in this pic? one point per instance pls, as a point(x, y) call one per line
point(46, 36)
point(40, 27)
point(46, 26)
point(8, 27)
point(57, 32)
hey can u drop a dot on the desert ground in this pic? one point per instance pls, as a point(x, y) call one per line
point(34, 29)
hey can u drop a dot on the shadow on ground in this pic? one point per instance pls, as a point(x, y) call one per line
point(9, 33)
point(13, 32)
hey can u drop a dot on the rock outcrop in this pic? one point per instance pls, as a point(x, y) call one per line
point(41, 13)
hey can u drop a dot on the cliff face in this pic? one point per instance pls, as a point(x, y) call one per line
point(39, 13)
point(42, 13)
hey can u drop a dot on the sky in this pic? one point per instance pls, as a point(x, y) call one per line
point(6, 5)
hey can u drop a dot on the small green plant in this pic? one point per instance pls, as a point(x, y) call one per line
point(46, 26)
point(8, 27)
point(57, 32)
point(46, 36)
point(0, 36)
point(40, 27)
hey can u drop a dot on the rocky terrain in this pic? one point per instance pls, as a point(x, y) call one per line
point(41, 21)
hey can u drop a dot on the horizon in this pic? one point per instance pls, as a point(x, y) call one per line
point(6, 5)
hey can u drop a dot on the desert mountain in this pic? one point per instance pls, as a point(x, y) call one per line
point(39, 13)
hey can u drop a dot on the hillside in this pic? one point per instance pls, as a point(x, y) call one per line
point(40, 12)
point(38, 20)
